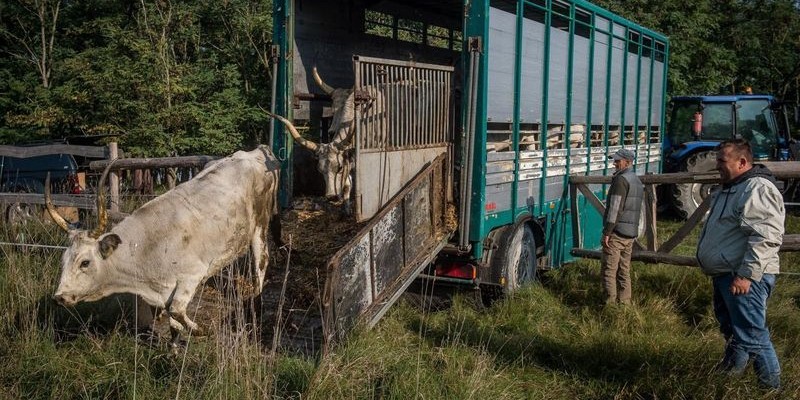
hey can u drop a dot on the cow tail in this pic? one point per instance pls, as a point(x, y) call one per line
point(275, 220)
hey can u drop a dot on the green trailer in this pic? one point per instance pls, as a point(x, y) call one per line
point(514, 96)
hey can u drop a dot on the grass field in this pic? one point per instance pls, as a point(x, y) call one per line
point(549, 341)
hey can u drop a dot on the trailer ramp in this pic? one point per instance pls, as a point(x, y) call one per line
point(372, 270)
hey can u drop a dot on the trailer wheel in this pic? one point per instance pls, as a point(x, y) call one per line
point(516, 256)
point(686, 197)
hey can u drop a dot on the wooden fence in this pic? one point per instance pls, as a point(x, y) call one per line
point(650, 251)
point(59, 200)
point(105, 155)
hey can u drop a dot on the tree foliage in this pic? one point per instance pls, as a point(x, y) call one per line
point(172, 77)
point(181, 77)
point(723, 46)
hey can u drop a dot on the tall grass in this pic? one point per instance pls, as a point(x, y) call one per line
point(550, 341)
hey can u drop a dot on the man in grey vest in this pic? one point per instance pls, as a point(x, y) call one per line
point(620, 228)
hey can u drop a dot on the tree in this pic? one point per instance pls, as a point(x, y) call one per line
point(172, 77)
point(697, 64)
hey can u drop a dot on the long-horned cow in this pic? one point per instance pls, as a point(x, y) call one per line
point(335, 159)
point(168, 247)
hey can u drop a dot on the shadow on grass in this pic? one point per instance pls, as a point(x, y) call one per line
point(602, 359)
point(120, 312)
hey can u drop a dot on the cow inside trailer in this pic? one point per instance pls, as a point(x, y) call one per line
point(410, 51)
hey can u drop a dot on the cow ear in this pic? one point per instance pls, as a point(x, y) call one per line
point(108, 244)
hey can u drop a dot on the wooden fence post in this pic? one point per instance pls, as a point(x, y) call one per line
point(113, 153)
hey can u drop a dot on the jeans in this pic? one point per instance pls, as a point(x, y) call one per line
point(743, 322)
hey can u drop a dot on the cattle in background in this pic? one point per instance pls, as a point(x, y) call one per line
point(168, 247)
point(335, 159)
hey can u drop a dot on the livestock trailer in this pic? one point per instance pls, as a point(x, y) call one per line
point(510, 96)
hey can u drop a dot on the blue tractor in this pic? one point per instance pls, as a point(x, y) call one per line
point(698, 123)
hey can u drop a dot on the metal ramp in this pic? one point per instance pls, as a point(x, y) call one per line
point(373, 269)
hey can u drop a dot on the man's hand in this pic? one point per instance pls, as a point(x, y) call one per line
point(604, 241)
point(740, 285)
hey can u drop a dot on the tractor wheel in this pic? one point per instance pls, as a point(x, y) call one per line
point(686, 197)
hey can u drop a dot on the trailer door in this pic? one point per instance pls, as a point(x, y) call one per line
point(402, 122)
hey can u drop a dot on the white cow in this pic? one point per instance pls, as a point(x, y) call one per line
point(168, 247)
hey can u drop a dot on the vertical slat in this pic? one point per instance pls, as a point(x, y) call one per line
point(410, 109)
point(406, 102)
point(650, 217)
point(390, 92)
point(577, 238)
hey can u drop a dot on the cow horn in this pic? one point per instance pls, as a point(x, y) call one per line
point(102, 214)
point(296, 135)
point(48, 202)
point(339, 140)
point(324, 86)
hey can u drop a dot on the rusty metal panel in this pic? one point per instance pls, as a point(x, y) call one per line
point(380, 176)
point(418, 226)
point(369, 273)
point(388, 248)
point(353, 288)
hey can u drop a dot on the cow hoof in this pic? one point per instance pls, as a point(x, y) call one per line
point(199, 332)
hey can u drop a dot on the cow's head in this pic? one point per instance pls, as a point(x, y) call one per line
point(334, 161)
point(84, 265)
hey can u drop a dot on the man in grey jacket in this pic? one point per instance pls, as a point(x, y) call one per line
point(738, 248)
point(620, 228)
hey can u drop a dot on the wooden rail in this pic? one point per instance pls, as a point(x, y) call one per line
point(650, 251)
point(88, 201)
point(33, 151)
point(148, 163)
point(59, 200)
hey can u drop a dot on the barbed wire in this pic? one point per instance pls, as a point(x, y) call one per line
point(42, 246)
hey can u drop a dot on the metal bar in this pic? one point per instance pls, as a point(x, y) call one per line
point(650, 105)
point(357, 139)
point(39, 246)
point(466, 199)
point(407, 100)
point(577, 238)
point(545, 102)
point(275, 58)
point(399, 63)
point(515, 136)
point(589, 92)
point(624, 85)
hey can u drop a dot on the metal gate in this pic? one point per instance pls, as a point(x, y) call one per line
point(402, 123)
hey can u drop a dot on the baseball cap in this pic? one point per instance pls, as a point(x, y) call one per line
point(623, 154)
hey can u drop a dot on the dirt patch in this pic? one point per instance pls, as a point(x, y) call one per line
point(312, 233)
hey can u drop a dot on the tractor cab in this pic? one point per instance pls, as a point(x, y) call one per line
point(698, 123)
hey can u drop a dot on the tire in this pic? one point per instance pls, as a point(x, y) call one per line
point(686, 197)
point(516, 257)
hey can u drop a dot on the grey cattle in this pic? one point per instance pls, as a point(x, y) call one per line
point(168, 247)
point(335, 159)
